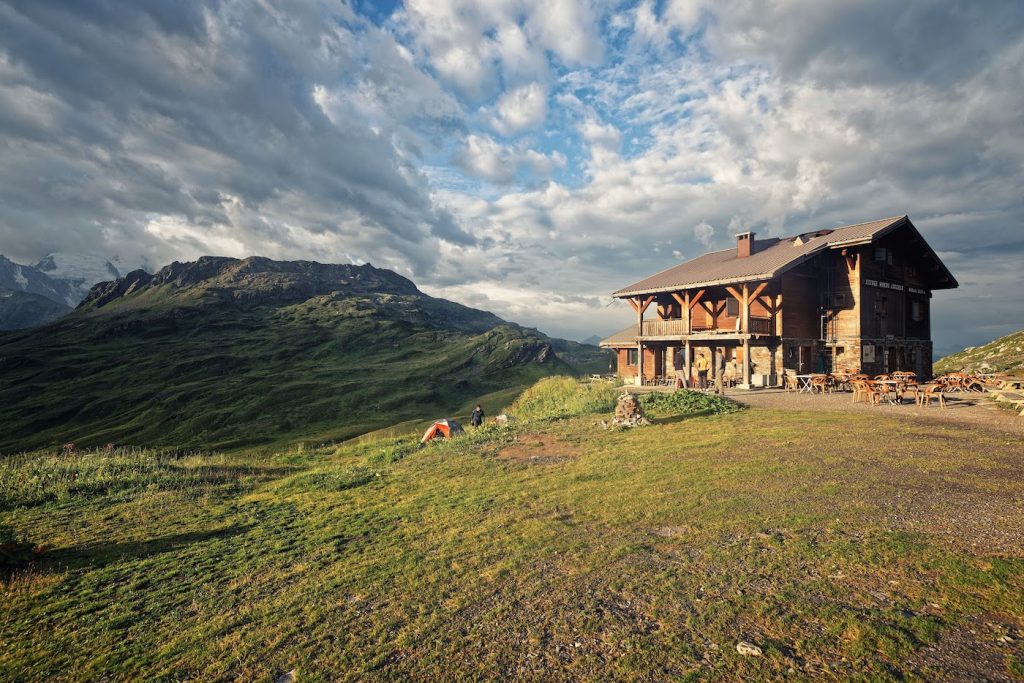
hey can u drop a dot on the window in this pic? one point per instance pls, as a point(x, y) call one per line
point(631, 357)
point(882, 306)
point(915, 311)
point(840, 301)
point(880, 254)
point(732, 308)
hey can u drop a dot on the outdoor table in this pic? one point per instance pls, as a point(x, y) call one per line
point(803, 383)
point(891, 385)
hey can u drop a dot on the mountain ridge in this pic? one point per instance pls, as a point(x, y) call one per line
point(223, 352)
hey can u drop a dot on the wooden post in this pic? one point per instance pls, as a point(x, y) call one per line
point(639, 363)
point(686, 362)
point(746, 362)
point(778, 316)
point(745, 303)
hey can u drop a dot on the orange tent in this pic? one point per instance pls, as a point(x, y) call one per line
point(445, 429)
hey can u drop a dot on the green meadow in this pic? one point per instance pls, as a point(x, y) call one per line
point(550, 549)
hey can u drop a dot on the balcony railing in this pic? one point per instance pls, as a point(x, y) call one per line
point(676, 327)
point(664, 328)
point(760, 325)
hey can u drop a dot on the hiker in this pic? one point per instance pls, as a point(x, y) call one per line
point(702, 371)
point(720, 373)
point(679, 362)
point(476, 418)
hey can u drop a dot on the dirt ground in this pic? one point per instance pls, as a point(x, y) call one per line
point(539, 449)
point(961, 408)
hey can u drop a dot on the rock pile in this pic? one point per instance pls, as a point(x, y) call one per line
point(628, 412)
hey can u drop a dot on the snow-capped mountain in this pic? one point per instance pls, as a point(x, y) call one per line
point(19, 278)
point(80, 271)
point(61, 277)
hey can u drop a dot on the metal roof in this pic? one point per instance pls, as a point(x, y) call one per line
point(624, 337)
point(771, 257)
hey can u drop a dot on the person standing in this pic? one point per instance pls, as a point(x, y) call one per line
point(702, 372)
point(680, 366)
point(476, 418)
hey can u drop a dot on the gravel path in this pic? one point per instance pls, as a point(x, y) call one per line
point(961, 408)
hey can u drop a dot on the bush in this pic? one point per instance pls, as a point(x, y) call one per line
point(684, 402)
point(556, 397)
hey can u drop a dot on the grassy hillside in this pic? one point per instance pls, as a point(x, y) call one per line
point(223, 353)
point(1005, 354)
point(20, 310)
point(551, 550)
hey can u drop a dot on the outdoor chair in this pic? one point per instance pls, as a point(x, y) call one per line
point(930, 391)
point(820, 383)
point(861, 391)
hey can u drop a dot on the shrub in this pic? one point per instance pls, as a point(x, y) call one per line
point(556, 397)
point(684, 402)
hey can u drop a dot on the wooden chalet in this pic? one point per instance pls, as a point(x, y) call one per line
point(851, 299)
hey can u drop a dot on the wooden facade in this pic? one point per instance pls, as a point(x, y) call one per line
point(853, 299)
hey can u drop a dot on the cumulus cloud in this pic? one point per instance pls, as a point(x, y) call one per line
point(518, 109)
point(555, 151)
point(149, 117)
point(487, 159)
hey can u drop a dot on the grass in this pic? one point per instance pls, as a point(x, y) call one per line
point(560, 396)
point(178, 373)
point(647, 556)
point(1005, 354)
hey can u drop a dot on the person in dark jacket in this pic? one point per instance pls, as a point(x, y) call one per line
point(476, 418)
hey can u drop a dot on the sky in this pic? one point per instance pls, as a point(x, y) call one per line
point(527, 157)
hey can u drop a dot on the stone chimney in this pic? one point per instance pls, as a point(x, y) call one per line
point(744, 244)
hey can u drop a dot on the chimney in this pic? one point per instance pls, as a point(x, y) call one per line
point(744, 244)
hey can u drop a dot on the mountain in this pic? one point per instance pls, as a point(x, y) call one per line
point(593, 340)
point(222, 353)
point(18, 278)
point(79, 271)
point(20, 310)
point(1005, 354)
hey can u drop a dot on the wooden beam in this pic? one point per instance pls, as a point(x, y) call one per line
point(746, 362)
point(686, 359)
point(688, 327)
point(646, 303)
point(640, 363)
point(777, 314)
point(757, 292)
point(696, 297)
point(736, 295)
point(679, 299)
point(634, 304)
point(745, 303)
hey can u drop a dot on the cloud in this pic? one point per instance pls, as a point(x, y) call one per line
point(518, 109)
point(552, 151)
point(485, 158)
point(144, 118)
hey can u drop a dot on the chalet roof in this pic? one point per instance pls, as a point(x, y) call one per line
point(771, 258)
point(624, 337)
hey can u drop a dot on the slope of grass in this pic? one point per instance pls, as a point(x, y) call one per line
point(177, 373)
point(1005, 354)
point(642, 555)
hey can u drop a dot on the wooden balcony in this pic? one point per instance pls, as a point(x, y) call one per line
point(664, 328)
point(676, 328)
